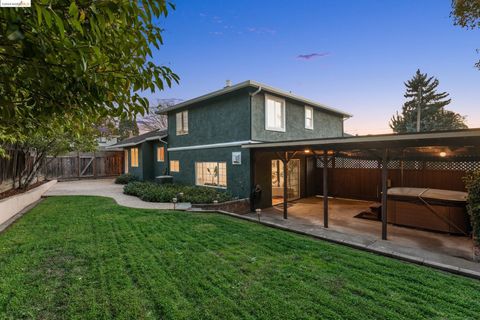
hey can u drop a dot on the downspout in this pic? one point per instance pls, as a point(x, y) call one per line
point(252, 157)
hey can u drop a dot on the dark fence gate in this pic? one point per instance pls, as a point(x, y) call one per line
point(85, 165)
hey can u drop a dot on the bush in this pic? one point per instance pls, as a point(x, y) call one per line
point(125, 178)
point(152, 192)
point(472, 182)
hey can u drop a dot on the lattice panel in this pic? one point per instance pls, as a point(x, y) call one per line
point(351, 163)
point(460, 166)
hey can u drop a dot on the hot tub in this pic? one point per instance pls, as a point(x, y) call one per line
point(430, 209)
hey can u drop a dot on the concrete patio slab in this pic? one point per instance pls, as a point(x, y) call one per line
point(107, 188)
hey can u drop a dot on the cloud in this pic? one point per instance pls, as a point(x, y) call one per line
point(216, 33)
point(261, 30)
point(313, 55)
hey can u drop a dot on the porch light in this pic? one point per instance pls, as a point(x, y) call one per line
point(307, 151)
point(443, 154)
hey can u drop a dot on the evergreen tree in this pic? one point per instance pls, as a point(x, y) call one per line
point(433, 116)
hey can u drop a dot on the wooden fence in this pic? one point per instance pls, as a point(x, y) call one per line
point(71, 166)
point(85, 165)
point(362, 179)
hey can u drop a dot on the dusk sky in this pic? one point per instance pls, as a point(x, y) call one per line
point(350, 55)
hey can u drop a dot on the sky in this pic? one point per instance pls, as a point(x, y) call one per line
point(351, 55)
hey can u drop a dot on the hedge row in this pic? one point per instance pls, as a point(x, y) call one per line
point(153, 192)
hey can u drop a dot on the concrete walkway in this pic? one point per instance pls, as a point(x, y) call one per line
point(107, 188)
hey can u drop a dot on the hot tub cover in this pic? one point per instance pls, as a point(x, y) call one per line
point(427, 193)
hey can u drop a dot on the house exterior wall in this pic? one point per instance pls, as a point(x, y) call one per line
point(148, 167)
point(159, 168)
point(225, 119)
point(325, 124)
point(238, 176)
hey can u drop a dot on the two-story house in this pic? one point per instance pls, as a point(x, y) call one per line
point(206, 135)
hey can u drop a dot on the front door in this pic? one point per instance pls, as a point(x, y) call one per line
point(293, 180)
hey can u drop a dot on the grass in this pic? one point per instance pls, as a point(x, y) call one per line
point(86, 257)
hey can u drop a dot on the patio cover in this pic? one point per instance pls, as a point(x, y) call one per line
point(455, 145)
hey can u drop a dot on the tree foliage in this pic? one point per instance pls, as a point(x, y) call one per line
point(81, 60)
point(473, 202)
point(154, 119)
point(466, 13)
point(127, 128)
point(434, 116)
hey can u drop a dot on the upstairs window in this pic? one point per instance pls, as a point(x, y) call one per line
point(308, 117)
point(274, 114)
point(182, 123)
point(160, 154)
point(134, 157)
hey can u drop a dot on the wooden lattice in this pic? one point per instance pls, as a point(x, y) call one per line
point(353, 163)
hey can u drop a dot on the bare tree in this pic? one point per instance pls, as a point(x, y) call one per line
point(154, 120)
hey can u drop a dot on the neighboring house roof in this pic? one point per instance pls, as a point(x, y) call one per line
point(259, 86)
point(149, 136)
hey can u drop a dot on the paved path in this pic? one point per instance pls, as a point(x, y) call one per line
point(107, 188)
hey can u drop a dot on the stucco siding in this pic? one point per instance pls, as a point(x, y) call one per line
point(225, 119)
point(238, 176)
point(325, 124)
point(148, 166)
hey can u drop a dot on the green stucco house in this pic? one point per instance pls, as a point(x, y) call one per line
point(203, 145)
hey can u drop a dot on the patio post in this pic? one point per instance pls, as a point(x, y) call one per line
point(285, 187)
point(384, 193)
point(325, 189)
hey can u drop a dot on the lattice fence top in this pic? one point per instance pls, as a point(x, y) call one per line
point(352, 163)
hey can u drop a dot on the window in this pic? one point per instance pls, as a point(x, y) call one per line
point(309, 117)
point(182, 123)
point(160, 154)
point(211, 174)
point(134, 157)
point(274, 114)
point(174, 166)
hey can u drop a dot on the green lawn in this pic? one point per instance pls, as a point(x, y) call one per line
point(86, 257)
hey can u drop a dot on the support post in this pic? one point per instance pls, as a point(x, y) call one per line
point(285, 187)
point(384, 193)
point(325, 189)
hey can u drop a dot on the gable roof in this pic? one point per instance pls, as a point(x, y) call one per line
point(148, 136)
point(259, 86)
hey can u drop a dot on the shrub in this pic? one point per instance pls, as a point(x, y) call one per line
point(125, 178)
point(152, 192)
point(472, 182)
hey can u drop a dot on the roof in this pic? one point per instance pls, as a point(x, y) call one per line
point(456, 143)
point(256, 85)
point(148, 136)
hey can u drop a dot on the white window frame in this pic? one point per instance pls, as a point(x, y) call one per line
point(284, 109)
point(218, 178)
point(306, 125)
point(174, 168)
point(158, 154)
point(134, 157)
point(181, 122)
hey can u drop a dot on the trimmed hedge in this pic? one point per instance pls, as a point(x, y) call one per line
point(125, 178)
point(153, 192)
point(472, 182)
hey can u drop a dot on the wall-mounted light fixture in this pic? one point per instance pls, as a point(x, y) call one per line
point(443, 154)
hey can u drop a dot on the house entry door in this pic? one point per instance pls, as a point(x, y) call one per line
point(293, 180)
